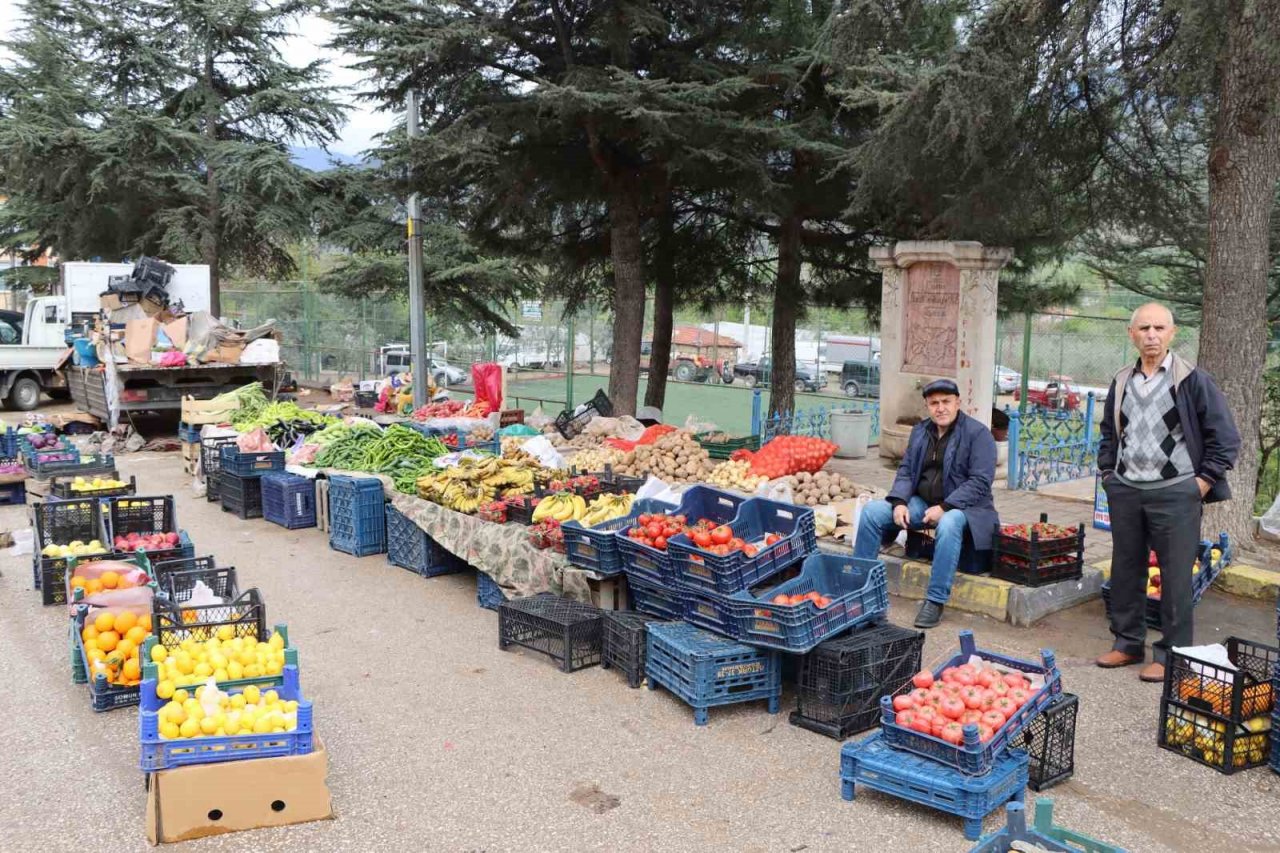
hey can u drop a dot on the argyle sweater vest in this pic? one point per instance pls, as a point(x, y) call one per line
point(1152, 447)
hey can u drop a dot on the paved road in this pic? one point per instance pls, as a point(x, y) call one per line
point(439, 741)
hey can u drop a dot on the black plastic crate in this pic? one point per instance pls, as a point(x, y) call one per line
point(1210, 739)
point(240, 495)
point(1237, 695)
point(222, 582)
point(1050, 741)
point(211, 463)
point(59, 522)
point(840, 682)
point(570, 424)
point(141, 515)
point(569, 632)
point(522, 513)
point(1039, 571)
point(623, 643)
point(1033, 545)
point(172, 622)
point(62, 489)
point(161, 568)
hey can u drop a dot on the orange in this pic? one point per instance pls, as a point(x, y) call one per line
point(77, 582)
point(110, 580)
point(93, 586)
point(107, 640)
point(125, 620)
point(125, 583)
point(145, 621)
point(126, 648)
point(90, 632)
point(137, 634)
point(131, 670)
point(104, 621)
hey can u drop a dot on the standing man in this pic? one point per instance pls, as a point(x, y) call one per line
point(1168, 440)
point(944, 481)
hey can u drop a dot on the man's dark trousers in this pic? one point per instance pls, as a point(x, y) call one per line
point(1166, 519)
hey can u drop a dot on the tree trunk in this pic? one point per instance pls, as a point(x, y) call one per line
point(664, 270)
point(626, 253)
point(1244, 167)
point(212, 235)
point(786, 307)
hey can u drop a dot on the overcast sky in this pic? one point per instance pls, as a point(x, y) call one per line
point(307, 45)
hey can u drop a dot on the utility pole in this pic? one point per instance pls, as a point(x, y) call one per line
point(417, 299)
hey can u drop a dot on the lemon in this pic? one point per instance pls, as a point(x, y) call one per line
point(274, 667)
point(237, 701)
point(159, 653)
point(276, 641)
point(208, 726)
point(169, 731)
point(220, 675)
point(226, 632)
point(185, 664)
point(261, 726)
point(177, 714)
point(251, 694)
point(203, 670)
point(254, 670)
point(180, 696)
point(271, 697)
point(165, 689)
point(235, 671)
point(189, 728)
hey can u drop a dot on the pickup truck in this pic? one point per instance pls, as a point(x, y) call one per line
point(758, 372)
point(1056, 394)
point(32, 348)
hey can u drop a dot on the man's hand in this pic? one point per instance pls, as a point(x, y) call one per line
point(933, 515)
point(901, 516)
point(1204, 486)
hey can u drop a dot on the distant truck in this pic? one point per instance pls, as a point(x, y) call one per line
point(1058, 393)
point(687, 367)
point(860, 379)
point(755, 373)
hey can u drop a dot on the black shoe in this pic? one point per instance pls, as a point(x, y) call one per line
point(930, 615)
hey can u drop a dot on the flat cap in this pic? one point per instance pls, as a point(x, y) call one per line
point(940, 386)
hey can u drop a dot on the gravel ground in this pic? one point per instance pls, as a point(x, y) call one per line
point(440, 741)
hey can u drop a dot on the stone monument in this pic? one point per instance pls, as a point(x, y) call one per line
point(937, 319)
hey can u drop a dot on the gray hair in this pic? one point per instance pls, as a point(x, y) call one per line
point(1133, 318)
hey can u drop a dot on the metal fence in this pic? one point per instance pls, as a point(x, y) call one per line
point(1052, 445)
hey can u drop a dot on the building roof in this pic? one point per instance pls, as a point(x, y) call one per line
point(692, 336)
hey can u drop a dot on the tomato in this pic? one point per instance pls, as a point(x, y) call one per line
point(986, 678)
point(953, 733)
point(993, 718)
point(963, 678)
point(937, 726)
point(927, 712)
point(949, 674)
point(749, 551)
point(660, 543)
point(1005, 705)
point(972, 697)
point(920, 695)
point(923, 678)
point(922, 725)
point(952, 707)
point(970, 717)
point(823, 602)
point(781, 598)
point(654, 530)
point(999, 688)
point(702, 539)
point(680, 519)
point(1019, 696)
point(1014, 679)
point(772, 538)
point(903, 702)
point(722, 534)
point(644, 519)
point(635, 533)
point(905, 718)
point(985, 733)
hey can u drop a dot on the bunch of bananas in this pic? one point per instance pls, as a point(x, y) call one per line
point(561, 507)
point(606, 508)
point(466, 486)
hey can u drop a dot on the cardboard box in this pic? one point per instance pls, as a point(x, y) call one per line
point(232, 796)
point(201, 412)
point(225, 353)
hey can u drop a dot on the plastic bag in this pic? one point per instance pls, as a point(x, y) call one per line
point(202, 596)
point(517, 430)
point(537, 419)
point(255, 441)
point(539, 448)
point(486, 379)
point(776, 490)
point(694, 425)
point(23, 542)
point(1270, 521)
point(658, 490)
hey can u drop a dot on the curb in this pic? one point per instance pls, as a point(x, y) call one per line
point(1237, 579)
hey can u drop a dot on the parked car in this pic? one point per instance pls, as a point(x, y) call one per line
point(1007, 380)
point(755, 373)
point(860, 379)
point(1058, 393)
point(687, 367)
point(443, 373)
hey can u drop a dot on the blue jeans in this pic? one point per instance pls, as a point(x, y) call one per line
point(877, 519)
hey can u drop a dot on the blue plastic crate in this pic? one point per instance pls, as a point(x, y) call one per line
point(857, 588)
point(409, 547)
point(357, 516)
point(13, 493)
point(1200, 581)
point(707, 671)
point(596, 548)
point(655, 599)
point(735, 572)
point(103, 695)
point(161, 754)
point(189, 433)
point(972, 757)
point(698, 502)
point(289, 500)
point(488, 594)
point(711, 611)
point(9, 443)
point(873, 763)
point(1043, 835)
point(250, 464)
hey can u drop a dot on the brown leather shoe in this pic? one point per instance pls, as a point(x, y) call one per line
point(1115, 658)
point(1152, 673)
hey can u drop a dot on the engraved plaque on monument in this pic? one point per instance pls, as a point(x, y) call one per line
point(932, 318)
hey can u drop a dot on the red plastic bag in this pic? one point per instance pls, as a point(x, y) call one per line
point(486, 378)
point(649, 436)
point(790, 454)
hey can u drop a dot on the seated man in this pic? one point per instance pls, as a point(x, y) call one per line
point(944, 481)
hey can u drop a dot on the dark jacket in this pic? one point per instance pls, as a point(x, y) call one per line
point(1210, 432)
point(969, 466)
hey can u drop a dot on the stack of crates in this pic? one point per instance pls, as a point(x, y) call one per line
point(970, 779)
point(211, 464)
point(1275, 714)
point(706, 671)
point(357, 516)
point(240, 479)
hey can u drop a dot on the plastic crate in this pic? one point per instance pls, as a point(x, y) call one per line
point(707, 671)
point(735, 572)
point(569, 424)
point(875, 764)
point(189, 433)
point(12, 494)
point(698, 502)
point(62, 489)
point(655, 600)
point(569, 632)
point(623, 643)
point(141, 515)
point(596, 548)
point(61, 523)
point(710, 611)
point(1200, 581)
point(409, 547)
point(1050, 741)
point(162, 568)
point(972, 757)
point(85, 463)
point(840, 682)
point(160, 754)
point(172, 622)
point(221, 581)
point(1205, 706)
point(183, 550)
point(1033, 545)
point(103, 695)
point(858, 593)
point(1274, 761)
point(250, 464)
point(725, 449)
point(211, 463)
point(488, 594)
point(241, 496)
point(151, 671)
point(1042, 836)
point(9, 443)
point(289, 500)
point(520, 510)
point(357, 516)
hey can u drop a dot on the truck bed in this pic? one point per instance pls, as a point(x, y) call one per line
point(160, 389)
point(23, 357)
